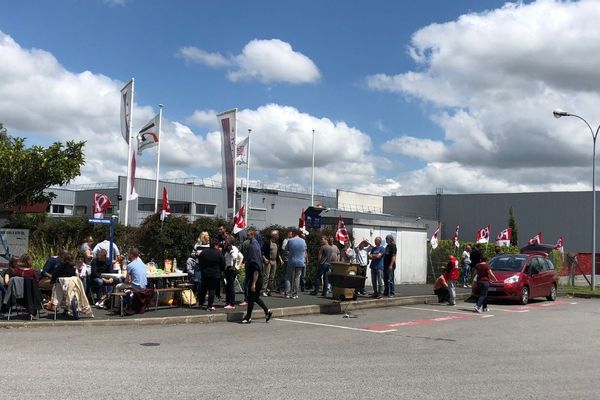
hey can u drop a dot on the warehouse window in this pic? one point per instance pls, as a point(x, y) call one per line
point(205, 209)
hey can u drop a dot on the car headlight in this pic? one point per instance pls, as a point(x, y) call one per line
point(512, 279)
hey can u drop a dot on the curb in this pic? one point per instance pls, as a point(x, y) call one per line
point(333, 308)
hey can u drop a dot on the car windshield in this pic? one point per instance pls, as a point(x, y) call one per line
point(508, 263)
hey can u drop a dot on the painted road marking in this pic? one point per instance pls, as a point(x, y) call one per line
point(528, 307)
point(334, 326)
point(417, 322)
point(432, 309)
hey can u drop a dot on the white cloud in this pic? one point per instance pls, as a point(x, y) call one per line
point(492, 80)
point(203, 57)
point(204, 118)
point(266, 61)
point(37, 94)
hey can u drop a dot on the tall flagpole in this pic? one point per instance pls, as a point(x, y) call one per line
point(234, 149)
point(247, 178)
point(127, 188)
point(312, 190)
point(160, 109)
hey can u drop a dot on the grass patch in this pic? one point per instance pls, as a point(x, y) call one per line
point(579, 289)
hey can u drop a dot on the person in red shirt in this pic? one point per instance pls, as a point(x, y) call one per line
point(24, 269)
point(451, 276)
point(484, 274)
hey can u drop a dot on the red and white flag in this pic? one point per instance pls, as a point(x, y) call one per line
point(341, 235)
point(239, 222)
point(483, 235)
point(434, 238)
point(131, 193)
point(302, 223)
point(166, 207)
point(149, 135)
point(101, 203)
point(126, 96)
point(504, 237)
point(537, 239)
point(455, 237)
point(241, 151)
point(560, 245)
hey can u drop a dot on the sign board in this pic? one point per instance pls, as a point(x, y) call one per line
point(13, 242)
point(100, 221)
point(313, 222)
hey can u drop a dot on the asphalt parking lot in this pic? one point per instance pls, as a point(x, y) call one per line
point(544, 350)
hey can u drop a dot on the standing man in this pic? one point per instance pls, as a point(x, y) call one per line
point(362, 252)
point(105, 244)
point(323, 267)
point(389, 266)
point(297, 256)
point(271, 256)
point(254, 272)
point(476, 255)
point(212, 264)
point(465, 263)
point(451, 277)
point(376, 256)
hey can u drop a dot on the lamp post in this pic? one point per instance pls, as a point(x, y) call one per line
point(560, 113)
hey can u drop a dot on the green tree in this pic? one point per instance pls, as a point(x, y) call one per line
point(512, 224)
point(26, 172)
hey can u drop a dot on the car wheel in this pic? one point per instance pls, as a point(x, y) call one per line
point(524, 296)
point(552, 295)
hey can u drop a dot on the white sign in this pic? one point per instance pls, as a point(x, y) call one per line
point(13, 242)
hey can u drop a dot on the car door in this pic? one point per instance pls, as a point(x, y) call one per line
point(548, 277)
point(536, 277)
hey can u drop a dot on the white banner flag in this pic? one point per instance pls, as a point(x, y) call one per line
point(241, 152)
point(126, 94)
point(148, 136)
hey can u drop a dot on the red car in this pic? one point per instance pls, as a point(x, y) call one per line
point(521, 277)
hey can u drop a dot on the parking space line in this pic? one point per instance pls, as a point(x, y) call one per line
point(334, 326)
point(418, 322)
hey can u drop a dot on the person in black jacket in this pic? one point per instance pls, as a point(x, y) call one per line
point(212, 263)
point(65, 268)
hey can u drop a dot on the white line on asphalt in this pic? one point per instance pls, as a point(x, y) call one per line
point(333, 326)
point(487, 316)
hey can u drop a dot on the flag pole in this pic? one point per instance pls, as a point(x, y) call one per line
point(312, 190)
point(127, 189)
point(160, 109)
point(247, 178)
point(234, 147)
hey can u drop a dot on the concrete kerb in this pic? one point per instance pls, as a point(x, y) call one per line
point(332, 308)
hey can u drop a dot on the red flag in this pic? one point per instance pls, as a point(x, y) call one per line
point(302, 223)
point(537, 239)
point(341, 235)
point(455, 237)
point(434, 238)
point(166, 207)
point(504, 237)
point(483, 235)
point(560, 245)
point(239, 222)
point(101, 203)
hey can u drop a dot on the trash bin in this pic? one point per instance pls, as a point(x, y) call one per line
point(344, 281)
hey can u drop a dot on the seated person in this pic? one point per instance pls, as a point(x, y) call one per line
point(83, 270)
point(49, 267)
point(136, 281)
point(440, 288)
point(24, 268)
point(65, 268)
point(136, 277)
point(99, 266)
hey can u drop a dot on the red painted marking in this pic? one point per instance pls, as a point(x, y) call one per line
point(536, 305)
point(420, 322)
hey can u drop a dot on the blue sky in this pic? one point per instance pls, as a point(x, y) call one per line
point(426, 121)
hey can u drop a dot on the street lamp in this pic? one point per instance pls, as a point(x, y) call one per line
point(560, 113)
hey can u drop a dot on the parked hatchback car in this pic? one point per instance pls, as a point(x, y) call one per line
point(522, 277)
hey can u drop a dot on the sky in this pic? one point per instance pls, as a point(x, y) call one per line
point(404, 97)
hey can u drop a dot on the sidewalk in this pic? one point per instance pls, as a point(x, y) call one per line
point(304, 305)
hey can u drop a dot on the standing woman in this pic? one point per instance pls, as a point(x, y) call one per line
point(233, 259)
point(212, 263)
point(484, 273)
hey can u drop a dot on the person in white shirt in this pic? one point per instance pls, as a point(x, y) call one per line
point(361, 253)
point(233, 260)
point(105, 245)
point(465, 263)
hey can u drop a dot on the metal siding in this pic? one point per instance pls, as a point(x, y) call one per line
point(412, 250)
